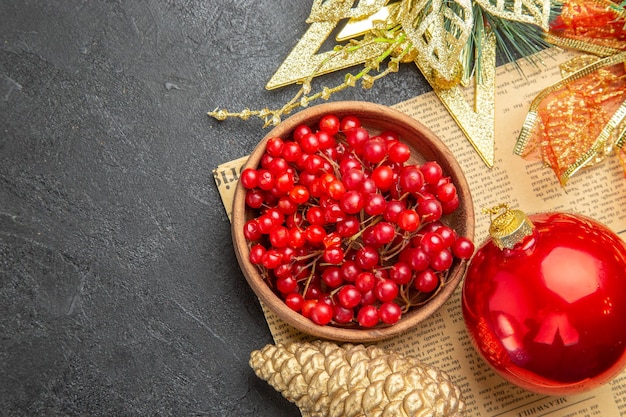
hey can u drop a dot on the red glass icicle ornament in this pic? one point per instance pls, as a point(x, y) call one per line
point(544, 301)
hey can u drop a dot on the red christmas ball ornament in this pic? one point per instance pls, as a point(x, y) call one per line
point(544, 301)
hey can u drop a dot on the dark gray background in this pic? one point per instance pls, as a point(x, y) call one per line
point(119, 290)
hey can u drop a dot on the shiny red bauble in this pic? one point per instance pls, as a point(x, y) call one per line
point(549, 313)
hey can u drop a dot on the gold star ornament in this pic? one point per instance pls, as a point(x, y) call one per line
point(451, 42)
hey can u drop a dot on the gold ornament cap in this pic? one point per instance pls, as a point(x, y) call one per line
point(510, 227)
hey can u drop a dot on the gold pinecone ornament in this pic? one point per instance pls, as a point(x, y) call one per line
point(328, 380)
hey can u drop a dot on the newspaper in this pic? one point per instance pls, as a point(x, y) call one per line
point(598, 192)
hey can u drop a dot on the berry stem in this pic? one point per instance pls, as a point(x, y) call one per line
point(311, 275)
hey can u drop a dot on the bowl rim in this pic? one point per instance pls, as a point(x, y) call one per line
point(272, 301)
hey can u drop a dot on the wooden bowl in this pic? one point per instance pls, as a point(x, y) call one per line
point(424, 146)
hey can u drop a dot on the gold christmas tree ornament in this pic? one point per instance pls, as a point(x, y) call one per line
point(328, 380)
point(451, 42)
point(454, 45)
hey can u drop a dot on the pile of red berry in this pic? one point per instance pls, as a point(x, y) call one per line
point(347, 231)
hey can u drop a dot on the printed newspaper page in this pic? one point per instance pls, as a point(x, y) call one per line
point(598, 192)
